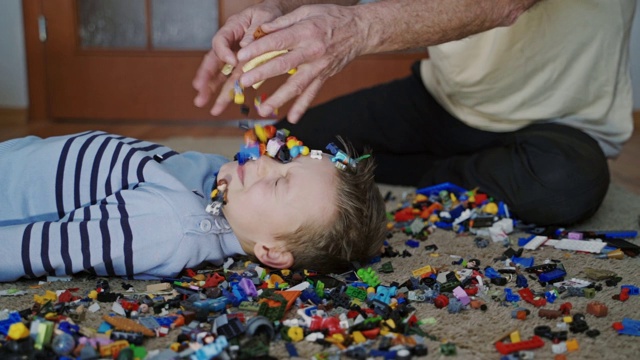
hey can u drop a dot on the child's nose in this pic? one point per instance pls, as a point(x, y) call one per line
point(266, 166)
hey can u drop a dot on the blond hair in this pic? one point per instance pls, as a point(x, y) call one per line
point(355, 232)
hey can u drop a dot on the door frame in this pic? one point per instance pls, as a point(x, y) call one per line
point(38, 111)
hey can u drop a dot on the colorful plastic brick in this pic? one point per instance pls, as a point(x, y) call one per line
point(633, 290)
point(369, 276)
point(412, 243)
point(384, 293)
point(510, 296)
point(505, 349)
point(572, 345)
point(461, 295)
point(448, 349)
point(597, 309)
point(18, 331)
point(628, 326)
point(527, 295)
point(12, 318)
point(125, 324)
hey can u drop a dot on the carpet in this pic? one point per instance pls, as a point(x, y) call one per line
point(472, 331)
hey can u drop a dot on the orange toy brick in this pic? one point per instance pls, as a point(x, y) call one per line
point(122, 323)
point(597, 309)
point(290, 296)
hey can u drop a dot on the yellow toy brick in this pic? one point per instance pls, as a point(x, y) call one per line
point(18, 331)
point(295, 333)
point(572, 345)
point(48, 296)
point(358, 337)
point(515, 337)
point(422, 270)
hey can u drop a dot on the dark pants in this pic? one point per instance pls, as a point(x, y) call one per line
point(548, 174)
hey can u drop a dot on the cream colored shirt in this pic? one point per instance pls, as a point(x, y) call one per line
point(564, 61)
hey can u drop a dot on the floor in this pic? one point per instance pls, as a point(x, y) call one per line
point(625, 170)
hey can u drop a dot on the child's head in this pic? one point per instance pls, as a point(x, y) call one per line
point(306, 213)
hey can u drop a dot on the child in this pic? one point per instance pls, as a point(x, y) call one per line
point(118, 206)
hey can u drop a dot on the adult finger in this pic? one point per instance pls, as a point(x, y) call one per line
point(228, 36)
point(295, 85)
point(207, 74)
point(281, 40)
point(226, 93)
point(285, 21)
point(303, 101)
point(271, 68)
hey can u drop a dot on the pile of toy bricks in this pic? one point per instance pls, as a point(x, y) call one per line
point(236, 312)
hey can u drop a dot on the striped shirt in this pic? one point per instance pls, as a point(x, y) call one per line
point(109, 204)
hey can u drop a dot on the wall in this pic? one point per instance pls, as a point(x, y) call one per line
point(13, 67)
point(13, 73)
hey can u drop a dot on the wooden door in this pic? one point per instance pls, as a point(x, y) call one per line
point(126, 59)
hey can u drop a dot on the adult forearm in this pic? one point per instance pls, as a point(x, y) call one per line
point(287, 6)
point(393, 25)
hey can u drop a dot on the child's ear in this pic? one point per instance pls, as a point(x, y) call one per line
point(272, 257)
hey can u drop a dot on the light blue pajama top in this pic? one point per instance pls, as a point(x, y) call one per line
point(108, 204)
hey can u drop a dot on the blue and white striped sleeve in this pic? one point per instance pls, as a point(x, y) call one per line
point(132, 232)
point(91, 201)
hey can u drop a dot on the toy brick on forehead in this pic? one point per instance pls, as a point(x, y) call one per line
point(275, 143)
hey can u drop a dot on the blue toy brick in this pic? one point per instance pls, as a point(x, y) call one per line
point(525, 262)
point(456, 212)
point(552, 275)
point(212, 305)
point(291, 349)
point(617, 234)
point(238, 294)
point(525, 241)
point(443, 225)
point(412, 243)
point(14, 317)
point(503, 210)
point(510, 296)
point(435, 189)
point(384, 293)
point(387, 355)
point(631, 327)
point(166, 320)
point(521, 281)
point(310, 294)
point(104, 327)
point(633, 290)
point(491, 273)
point(333, 148)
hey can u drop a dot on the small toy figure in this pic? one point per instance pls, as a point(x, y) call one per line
point(218, 198)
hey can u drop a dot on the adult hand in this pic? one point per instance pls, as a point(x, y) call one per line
point(235, 33)
point(321, 39)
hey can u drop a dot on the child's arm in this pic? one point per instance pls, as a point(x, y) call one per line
point(131, 232)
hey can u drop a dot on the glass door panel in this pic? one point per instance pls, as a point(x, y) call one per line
point(147, 24)
point(112, 24)
point(185, 25)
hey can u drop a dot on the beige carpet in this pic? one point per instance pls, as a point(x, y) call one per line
point(473, 331)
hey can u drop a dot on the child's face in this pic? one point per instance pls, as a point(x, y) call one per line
point(266, 197)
